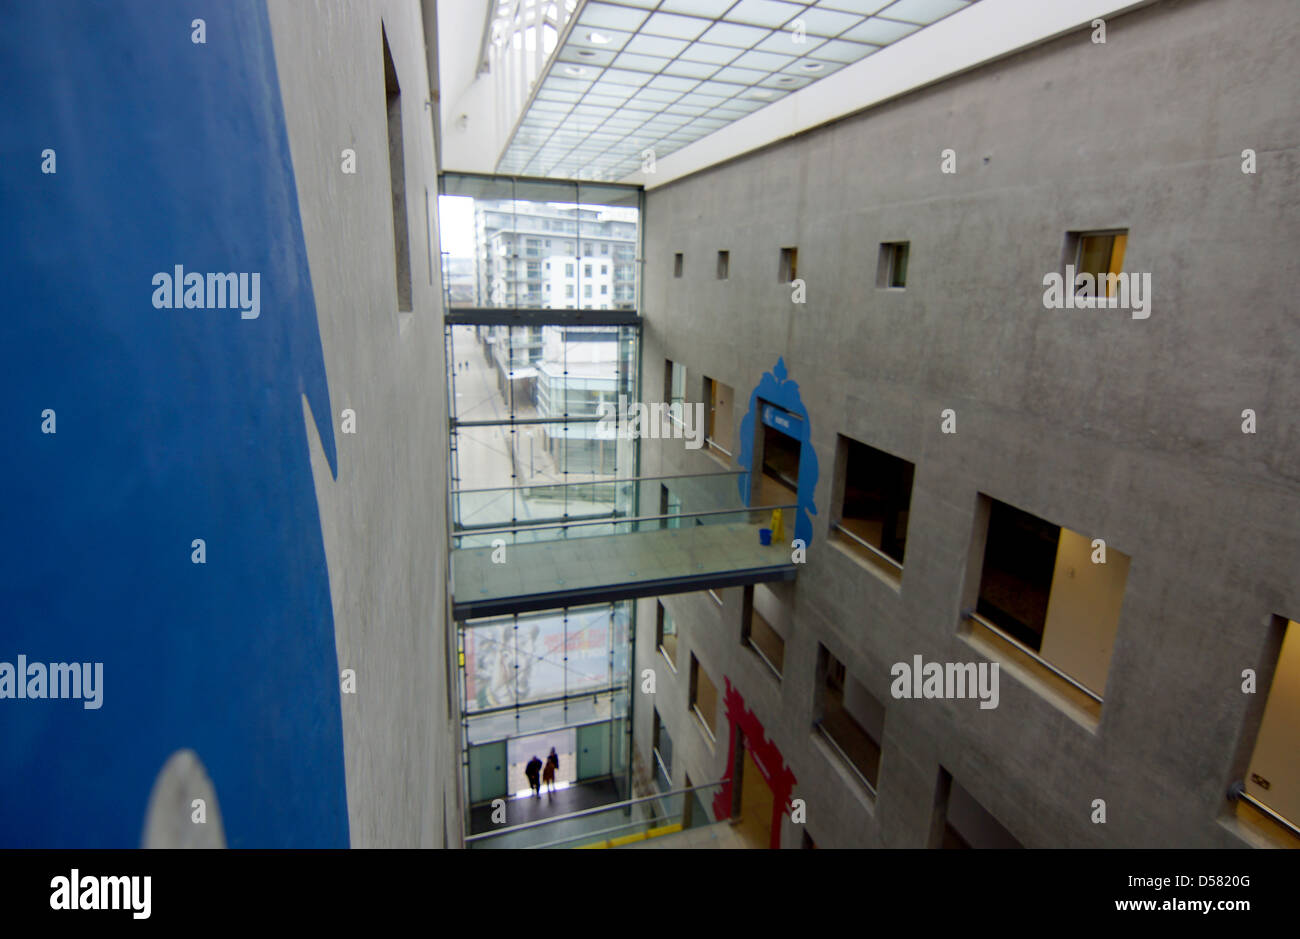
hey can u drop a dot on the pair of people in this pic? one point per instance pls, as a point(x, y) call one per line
point(538, 774)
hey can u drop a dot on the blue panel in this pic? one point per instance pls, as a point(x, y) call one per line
point(172, 424)
point(790, 417)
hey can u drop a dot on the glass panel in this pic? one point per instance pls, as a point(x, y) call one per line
point(526, 243)
point(503, 376)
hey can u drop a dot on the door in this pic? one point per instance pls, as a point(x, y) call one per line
point(593, 751)
point(756, 805)
point(487, 772)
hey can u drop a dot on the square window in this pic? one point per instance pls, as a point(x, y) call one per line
point(1094, 262)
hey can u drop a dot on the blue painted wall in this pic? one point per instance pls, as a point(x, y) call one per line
point(171, 425)
point(776, 387)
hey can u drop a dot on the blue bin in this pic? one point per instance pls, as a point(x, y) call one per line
point(765, 536)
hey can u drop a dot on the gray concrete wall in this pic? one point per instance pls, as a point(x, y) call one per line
point(1124, 429)
point(384, 518)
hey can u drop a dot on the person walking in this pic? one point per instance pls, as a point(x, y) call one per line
point(533, 772)
point(548, 773)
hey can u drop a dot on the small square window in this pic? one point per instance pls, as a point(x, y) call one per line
point(724, 264)
point(891, 271)
point(677, 264)
point(1100, 256)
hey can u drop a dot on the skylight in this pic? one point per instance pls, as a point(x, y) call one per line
point(638, 79)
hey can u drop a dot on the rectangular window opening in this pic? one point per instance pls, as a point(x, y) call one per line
point(761, 610)
point(891, 270)
point(1100, 255)
point(1273, 772)
point(724, 264)
point(704, 699)
point(677, 264)
point(965, 823)
point(397, 180)
point(874, 497)
point(851, 719)
point(666, 635)
point(789, 266)
point(1053, 597)
point(719, 419)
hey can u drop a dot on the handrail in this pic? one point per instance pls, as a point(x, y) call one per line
point(836, 526)
point(662, 768)
point(699, 716)
point(617, 520)
point(717, 446)
point(601, 482)
point(749, 641)
point(826, 735)
point(537, 823)
point(1238, 793)
point(976, 618)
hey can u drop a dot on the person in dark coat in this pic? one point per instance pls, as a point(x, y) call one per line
point(534, 773)
point(548, 773)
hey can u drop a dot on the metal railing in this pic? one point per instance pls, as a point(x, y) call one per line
point(749, 641)
point(602, 482)
point(704, 725)
point(1075, 683)
point(627, 804)
point(1238, 793)
point(614, 520)
point(876, 552)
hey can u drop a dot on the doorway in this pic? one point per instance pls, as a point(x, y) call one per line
point(757, 804)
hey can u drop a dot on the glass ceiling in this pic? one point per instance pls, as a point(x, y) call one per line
point(654, 75)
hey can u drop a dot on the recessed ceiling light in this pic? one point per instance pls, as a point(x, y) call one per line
point(812, 66)
point(760, 93)
point(575, 70)
point(587, 53)
point(599, 39)
point(786, 79)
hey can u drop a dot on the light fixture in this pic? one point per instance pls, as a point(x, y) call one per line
point(786, 79)
point(575, 70)
point(760, 93)
point(599, 39)
point(811, 66)
point(587, 53)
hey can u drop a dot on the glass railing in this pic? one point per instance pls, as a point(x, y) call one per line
point(548, 512)
point(611, 826)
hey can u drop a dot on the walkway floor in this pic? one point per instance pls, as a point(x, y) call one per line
point(551, 574)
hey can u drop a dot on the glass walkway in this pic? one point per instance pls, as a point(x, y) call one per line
point(542, 547)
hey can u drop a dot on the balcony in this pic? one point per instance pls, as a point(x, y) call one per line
point(540, 547)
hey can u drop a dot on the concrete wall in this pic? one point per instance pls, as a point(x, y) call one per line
point(384, 517)
point(1125, 429)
